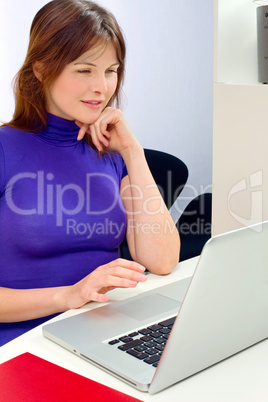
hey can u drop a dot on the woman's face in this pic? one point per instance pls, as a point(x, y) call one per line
point(85, 86)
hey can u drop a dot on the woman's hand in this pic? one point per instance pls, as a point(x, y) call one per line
point(111, 130)
point(119, 273)
point(27, 304)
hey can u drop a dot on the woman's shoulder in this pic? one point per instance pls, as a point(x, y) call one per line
point(11, 136)
point(6, 131)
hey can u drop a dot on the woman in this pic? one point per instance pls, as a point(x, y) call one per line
point(69, 195)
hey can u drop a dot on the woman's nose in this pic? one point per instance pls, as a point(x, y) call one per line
point(99, 84)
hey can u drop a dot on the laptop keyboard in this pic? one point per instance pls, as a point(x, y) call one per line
point(146, 344)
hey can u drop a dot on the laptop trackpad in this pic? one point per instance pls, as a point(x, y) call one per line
point(148, 306)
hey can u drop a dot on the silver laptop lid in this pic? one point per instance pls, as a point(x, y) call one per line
point(225, 309)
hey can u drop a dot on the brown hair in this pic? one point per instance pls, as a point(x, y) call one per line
point(61, 32)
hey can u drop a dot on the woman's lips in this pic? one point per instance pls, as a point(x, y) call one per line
point(93, 104)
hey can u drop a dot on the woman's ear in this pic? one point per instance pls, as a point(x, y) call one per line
point(37, 69)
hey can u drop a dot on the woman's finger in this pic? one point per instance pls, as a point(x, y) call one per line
point(95, 139)
point(99, 297)
point(118, 282)
point(127, 264)
point(120, 277)
point(101, 135)
point(82, 133)
point(84, 128)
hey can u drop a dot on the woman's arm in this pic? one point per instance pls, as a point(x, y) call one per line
point(26, 304)
point(153, 239)
point(152, 236)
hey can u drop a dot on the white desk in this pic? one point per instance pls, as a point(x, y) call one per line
point(242, 377)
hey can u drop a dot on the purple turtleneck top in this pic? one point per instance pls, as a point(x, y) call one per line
point(61, 215)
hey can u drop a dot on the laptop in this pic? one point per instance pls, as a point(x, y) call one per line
point(188, 325)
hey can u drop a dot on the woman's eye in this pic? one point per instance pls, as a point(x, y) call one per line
point(111, 71)
point(84, 71)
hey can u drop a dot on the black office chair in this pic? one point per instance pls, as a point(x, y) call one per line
point(194, 226)
point(170, 174)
